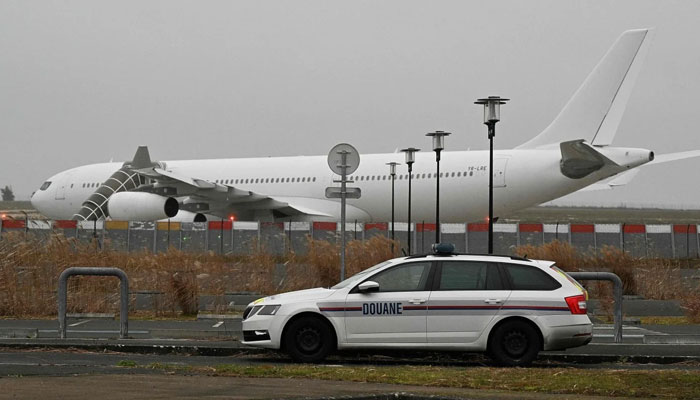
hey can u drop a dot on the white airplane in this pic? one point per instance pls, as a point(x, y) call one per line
point(574, 152)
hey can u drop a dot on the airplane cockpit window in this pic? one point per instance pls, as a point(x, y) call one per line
point(45, 185)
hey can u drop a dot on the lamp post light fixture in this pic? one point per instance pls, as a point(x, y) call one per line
point(438, 145)
point(492, 114)
point(410, 159)
point(392, 172)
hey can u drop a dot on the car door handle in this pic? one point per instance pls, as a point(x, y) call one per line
point(417, 301)
point(493, 301)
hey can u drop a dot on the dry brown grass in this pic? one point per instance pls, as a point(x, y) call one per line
point(691, 305)
point(656, 279)
point(29, 270)
point(564, 254)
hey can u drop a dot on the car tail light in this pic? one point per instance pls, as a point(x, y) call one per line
point(577, 304)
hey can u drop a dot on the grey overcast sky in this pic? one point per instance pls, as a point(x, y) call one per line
point(88, 81)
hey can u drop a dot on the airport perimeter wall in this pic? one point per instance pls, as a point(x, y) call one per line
point(241, 237)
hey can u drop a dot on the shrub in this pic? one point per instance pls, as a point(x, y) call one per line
point(690, 301)
point(29, 270)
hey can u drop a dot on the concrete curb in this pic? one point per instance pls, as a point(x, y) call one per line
point(672, 339)
point(614, 358)
point(141, 346)
point(218, 317)
point(234, 348)
point(26, 333)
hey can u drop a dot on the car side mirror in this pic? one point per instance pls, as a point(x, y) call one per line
point(368, 287)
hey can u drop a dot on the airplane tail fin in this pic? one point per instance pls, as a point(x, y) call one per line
point(594, 112)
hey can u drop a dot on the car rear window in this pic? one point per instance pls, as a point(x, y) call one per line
point(572, 280)
point(523, 277)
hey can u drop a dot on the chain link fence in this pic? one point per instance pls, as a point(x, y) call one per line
point(241, 237)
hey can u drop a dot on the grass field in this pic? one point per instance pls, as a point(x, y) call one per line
point(671, 384)
point(604, 215)
point(548, 214)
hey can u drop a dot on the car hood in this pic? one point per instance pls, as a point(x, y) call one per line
point(299, 295)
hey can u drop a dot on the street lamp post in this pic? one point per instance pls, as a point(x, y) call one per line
point(392, 172)
point(438, 145)
point(492, 114)
point(410, 159)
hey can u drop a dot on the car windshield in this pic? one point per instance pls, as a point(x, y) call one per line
point(358, 276)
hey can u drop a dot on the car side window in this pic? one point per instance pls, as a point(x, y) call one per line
point(469, 275)
point(523, 277)
point(403, 278)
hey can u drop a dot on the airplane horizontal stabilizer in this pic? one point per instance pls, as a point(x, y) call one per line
point(625, 178)
point(617, 181)
point(664, 158)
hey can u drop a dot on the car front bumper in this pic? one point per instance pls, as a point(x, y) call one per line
point(263, 331)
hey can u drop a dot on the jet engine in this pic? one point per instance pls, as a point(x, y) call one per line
point(188, 216)
point(140, 206)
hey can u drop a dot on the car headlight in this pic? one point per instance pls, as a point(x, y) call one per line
point(250, 311)
point(269, 309)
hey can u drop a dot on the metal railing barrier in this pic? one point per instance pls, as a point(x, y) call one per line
point(617, 295)
point(94, 271)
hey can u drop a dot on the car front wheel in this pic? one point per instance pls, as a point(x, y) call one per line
point(514, 344)
point(308, 340)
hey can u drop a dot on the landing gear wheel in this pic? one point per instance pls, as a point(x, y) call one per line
point(514, 344)
point(308, 340)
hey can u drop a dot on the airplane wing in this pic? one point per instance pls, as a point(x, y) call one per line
point(218, 199)
point(204, 196)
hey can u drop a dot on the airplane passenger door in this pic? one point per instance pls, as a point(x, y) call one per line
point(61, 186)
point(499, 171)
point(61, 191)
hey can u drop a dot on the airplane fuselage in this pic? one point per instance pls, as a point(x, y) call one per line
point(522, 178)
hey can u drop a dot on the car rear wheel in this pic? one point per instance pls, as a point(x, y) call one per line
point(308, 340)
point(514, 344)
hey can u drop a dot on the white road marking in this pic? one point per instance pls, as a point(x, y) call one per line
point(78, 331)
point(80, 323)
point(218, 324)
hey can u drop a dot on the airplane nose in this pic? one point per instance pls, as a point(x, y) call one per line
point(36, 200)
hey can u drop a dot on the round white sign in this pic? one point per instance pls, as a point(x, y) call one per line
point(335, 158)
